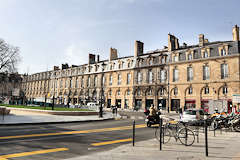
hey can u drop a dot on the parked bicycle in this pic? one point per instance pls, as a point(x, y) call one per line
point(179, 131)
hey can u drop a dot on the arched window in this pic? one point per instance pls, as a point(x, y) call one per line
point(189, 56)
point(175, 91)
point(149, 93)
point(190, 90)
point(138, 92)
point(118, 92)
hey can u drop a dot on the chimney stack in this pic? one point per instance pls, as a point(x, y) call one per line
point(201, 39)
point(113, 54)
point(98, 58)
point(235, 33)
point(65, 66)
point(91, 58)
point(172, 42)
point(138, 48)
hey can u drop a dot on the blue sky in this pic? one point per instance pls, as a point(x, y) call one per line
point(51, 32)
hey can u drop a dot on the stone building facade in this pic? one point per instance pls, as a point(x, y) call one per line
point(172, 78)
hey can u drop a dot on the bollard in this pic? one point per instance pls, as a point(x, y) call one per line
point(198, 135)
point(160, 127)
point(186, 135)
point(133, 141)
point(214, 130)
point(206, 139)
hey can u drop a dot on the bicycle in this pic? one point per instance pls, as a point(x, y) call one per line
point(180, 132)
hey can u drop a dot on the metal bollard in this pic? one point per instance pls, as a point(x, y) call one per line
point(133, 141)
point(160, 127)
point(206, 139)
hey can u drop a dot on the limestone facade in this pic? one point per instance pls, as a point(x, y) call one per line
point(172, 78)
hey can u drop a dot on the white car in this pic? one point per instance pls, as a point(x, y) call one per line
point(192, 115)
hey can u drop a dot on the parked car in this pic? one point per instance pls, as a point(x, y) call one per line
point(193, 116)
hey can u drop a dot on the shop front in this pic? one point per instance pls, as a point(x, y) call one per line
point(190, 103)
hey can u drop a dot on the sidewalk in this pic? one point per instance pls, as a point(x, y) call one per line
point(223, 146)
point(20, 117)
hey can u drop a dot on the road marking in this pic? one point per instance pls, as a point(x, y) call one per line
point(4, 157)
point(111, 142)
point(74, 132)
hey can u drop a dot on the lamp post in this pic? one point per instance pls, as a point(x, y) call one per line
point(69, 92)
point(101, 99)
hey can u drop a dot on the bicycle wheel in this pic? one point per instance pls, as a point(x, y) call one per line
point(214, 125)
point(166, 135)
point(186, 136)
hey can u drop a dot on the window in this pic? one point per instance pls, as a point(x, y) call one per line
point(205, 54)
point(118, 92)
point(128, 78)
point(95, 81)
point(139, 77)
point(82, 84)
point(70, 82)
point(161, 91)
point(175, 58)
point(138, 92)
point(150, 62)
point(224, 71)
point(190, 91)
point(225, 90)
point(119, 79)
point(103, 80)
point(150, 76)
point(163, 76)
point(149, 93)
point(122, 64)
point(175, 91)
point(163, 60)
point(223, 52)
point(175, 75)
point(189, 73)
point(206, 90)
point(110, 92)
point(110, 80)
point(89, 82)
point(189, 56)
point(206, 74)
point(126, 104)
point(128, 64)
point(76, 83)
point(128, 92)
point(61, 83)
point(119, 65)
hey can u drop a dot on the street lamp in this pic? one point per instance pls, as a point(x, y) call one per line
point(69, 91)
point(101, 99)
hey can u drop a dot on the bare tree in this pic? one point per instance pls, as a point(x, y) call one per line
point(9, 57)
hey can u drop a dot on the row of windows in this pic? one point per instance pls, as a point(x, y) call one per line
point(205, 54)
point(206, 73)
point(206, 90)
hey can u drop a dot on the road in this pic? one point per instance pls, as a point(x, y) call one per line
point(60, 141)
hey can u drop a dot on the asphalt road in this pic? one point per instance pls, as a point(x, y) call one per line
point(61, 141)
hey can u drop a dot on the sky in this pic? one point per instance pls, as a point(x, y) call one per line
point(52, 32)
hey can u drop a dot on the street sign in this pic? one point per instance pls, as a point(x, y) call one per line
point(236, 98)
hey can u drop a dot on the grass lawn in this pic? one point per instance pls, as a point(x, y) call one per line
point(47, 108)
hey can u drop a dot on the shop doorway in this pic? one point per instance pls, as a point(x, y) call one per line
point(149, 102)
point(175, 105)
point(162, 103)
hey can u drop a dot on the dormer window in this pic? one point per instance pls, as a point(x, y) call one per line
point(205, 54)
point(190, 56)
point(163, 60)
point(175, 58)
point(150, 62)
point(223, 52)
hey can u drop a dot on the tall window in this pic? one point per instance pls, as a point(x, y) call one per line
point(224, 71)
point(225, 90)
point(189, 56)
point(70, 82)
point(162, 76)
point(189, 73)
point(82, 84)
point(175, 91)
point(128, 92)
point(206, 90)
point(205, 54)
point(161, 91)
point(175, 75)
point(119, 79)
point(150, 62)
point(76, 83)
point(138, 92)
point(110, 80)
point(190, 90)
point(61, 83)
point(206, 74)
point(149, 92)
point(128, 78)
point(175, 58)
point(150, 76)
point(223, 52)
point(118, 92)
point(139, 77)
point(163, 60)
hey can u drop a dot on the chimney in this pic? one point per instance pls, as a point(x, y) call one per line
point(176, 43)
point(138, 48)
point(235, 33)
point(206, 41)
point(184, 45)
point(98, 58)
point(113, 54)
point(201, 39)
point(91, 58)
point(171, 42)
point(55, 68)
point(65, 66)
